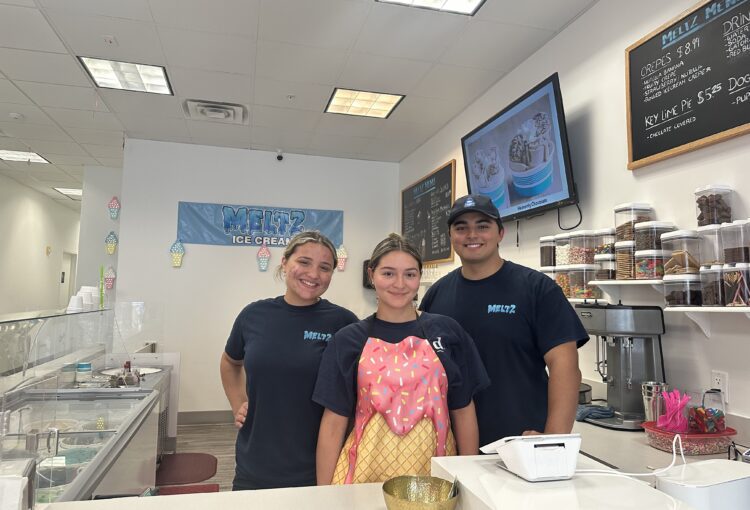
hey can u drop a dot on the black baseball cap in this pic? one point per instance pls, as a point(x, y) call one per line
point(474, 203)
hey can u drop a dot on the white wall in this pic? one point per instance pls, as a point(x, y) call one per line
point(29, 222)
point(201, 299)
point(589, 55)
point(100, 184)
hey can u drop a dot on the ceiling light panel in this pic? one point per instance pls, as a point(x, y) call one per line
point(467, 7)
point(111, 74)
point(72, 193)
point(363, 104)
point(30, 157)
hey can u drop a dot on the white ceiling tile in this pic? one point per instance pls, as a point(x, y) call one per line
point(49, 173)
point(210, 52)
point(306, 96)
point(137, 41)
point(154, 128)
point(382, 74)
point(458, 83)
point(72, 170)
point(34, 131)
point(27, 3)
point(62, 148)
point(62, 96)
point(21, 166)
point(84, 119)
point(280, 138)
point(44, 67)
point(398, 31)
point(388, 150)
point(504, 46)
point(59, 159)
point(24, 28)
point(414, 132)
point(225, 17)
point(535, 13)
point(211, 86)
point(322, 23)
point(269, 116)
point(96, 136)
point(13, 144)
point(334, 143)
point(287, 62)
point(9, 93)
point(110, 162)
point(3, 167)
point(347, 125)
point(130, 9)
point(215, 133)
point(427, 110)
point(103, 151)
point(142, 102)
point(31, 114)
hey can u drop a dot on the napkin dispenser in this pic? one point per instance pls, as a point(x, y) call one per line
point(538, 458)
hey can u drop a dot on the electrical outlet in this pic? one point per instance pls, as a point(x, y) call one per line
point(720, 381)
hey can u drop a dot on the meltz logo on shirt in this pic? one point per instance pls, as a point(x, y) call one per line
point(508, 309)
point(315, 335)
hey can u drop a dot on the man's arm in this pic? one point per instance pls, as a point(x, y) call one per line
point(465, 430)
point(562, 389)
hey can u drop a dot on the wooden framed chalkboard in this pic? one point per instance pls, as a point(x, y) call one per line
point(424, 213)
point(688, 82)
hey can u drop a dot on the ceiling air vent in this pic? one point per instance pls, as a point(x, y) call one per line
point(228, 113)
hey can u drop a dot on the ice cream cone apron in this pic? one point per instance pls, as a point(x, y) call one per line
point(401, 417)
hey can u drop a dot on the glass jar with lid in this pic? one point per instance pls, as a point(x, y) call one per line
point(582, 247)
point(605, 241)
point(684, 246)
point(627, 215)
point(579, 276)
point(624, 259)
point(607, 266)
point(683, 290)
point(713, 204)
point(648, 234)
point(562, 249)
point(712, 286)
point(711, 248)
point(736, 286)
point(735, 239)
point(547, 251)
point(562, 279)
point(649, 264)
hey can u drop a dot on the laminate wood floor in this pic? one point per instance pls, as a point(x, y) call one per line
point(218, 440)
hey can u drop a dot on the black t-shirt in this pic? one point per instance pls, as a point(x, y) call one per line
point(281, 346)
point(514, 316)
point(336, 388)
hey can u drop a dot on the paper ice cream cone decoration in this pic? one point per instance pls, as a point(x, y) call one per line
point(111, 242)
point(177, 251)
point(264, 255)
point(114, 208)
point(109, 278)
point(341, 255)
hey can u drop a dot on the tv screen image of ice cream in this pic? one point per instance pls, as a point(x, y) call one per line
point(519, 157)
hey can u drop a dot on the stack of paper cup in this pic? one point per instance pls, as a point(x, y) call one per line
point(75, 304)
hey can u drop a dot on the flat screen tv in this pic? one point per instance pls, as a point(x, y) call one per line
point(520, 156)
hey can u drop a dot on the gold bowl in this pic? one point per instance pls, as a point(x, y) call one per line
point(418, 493)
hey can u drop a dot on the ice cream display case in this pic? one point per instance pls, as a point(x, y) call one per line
point(62, 411)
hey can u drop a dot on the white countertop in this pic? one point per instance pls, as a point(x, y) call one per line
point(484, 486)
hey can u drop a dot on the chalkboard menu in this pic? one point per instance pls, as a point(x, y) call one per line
point(688, 82)
point(424, 213)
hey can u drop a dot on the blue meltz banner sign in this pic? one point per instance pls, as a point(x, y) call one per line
point(252, 225)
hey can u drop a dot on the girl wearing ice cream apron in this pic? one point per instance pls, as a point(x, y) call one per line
point(405, 380)
point(270, 364)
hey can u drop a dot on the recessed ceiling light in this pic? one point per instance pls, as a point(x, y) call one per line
point(72, 193)
point(27, 157)
point(111, 74)
point(468, 7)
point(362, 104)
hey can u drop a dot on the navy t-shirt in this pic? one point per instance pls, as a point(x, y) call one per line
point(514, 316)
point(281, 346)
point(336, 388)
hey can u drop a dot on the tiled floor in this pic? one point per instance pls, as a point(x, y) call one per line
point(218, 440)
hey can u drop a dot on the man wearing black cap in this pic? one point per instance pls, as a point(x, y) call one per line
point(521, 324)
